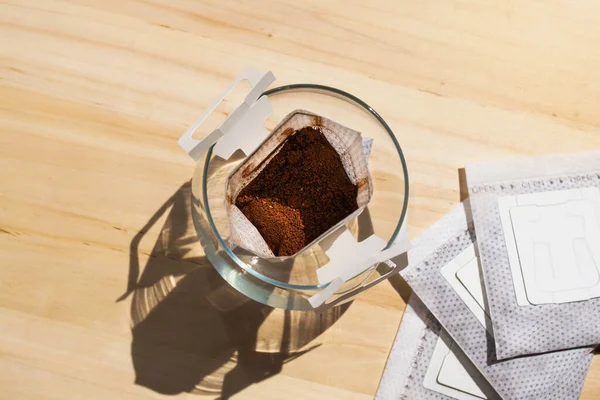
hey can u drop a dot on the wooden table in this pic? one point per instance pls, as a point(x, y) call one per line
point(94, 95)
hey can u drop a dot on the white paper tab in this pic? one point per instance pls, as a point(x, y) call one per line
point(451, 373)
point(321, 297)
point(243, 129)
point(344, 250)
point(553, 245)
point(349, 258)
point(463, 275)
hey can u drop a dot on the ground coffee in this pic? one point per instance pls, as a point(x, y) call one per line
point(302, 192)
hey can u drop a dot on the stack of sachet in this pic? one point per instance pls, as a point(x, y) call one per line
point(506, 287)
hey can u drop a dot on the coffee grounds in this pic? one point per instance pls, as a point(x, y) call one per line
point(301, 193)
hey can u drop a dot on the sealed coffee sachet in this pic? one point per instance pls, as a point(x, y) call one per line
point(308, 178)
point(425, 363)
point(444, 271)
point(538, 228)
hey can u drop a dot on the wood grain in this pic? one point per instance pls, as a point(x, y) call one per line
point(94, 94)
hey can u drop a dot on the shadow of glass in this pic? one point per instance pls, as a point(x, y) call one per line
point(192, 332)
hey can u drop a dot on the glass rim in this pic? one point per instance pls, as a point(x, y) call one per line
point(325, 90)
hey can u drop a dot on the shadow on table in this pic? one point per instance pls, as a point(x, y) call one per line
point(192, 332)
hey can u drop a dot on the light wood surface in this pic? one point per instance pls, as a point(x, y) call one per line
point(95, 93)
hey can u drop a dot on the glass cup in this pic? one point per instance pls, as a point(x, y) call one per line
point(289, 284)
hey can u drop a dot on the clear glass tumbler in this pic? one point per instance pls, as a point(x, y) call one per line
point(289, 284)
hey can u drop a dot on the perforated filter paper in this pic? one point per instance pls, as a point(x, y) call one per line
point(537, 223)
point(422, 356)
point(557, 375)
point(350, 146)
